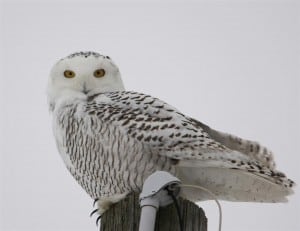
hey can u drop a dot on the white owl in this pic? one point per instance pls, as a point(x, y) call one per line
point(112, 139)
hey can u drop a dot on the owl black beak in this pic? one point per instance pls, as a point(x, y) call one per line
point(85, 90)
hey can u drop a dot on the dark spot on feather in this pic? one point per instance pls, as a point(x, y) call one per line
point(147, 127)
point(154, 138)
point(140, 137)
point(164, 126)
point(139, 119)
point(259, 167)
point(142, 99)
point(135, 97)
point(148, 138)
point(151, 102)
point(126, 122)
point(155, 128)
point(132, 125)
point(142, 126)
point(92, 97)
point(191, 129)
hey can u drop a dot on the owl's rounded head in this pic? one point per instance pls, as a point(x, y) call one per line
point(81, 74)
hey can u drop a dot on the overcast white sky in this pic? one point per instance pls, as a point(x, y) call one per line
point(231, 64)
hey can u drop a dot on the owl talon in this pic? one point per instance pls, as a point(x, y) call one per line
point(93, 212)
point(95, 201)
point(98, 219)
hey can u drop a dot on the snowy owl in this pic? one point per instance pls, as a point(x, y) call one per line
point(111, 140)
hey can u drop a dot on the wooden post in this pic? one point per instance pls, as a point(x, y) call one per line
point(125, 216)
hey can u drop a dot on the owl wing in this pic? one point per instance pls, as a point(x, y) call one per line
point(154, 123)
point(250, 148)
point(161, 127)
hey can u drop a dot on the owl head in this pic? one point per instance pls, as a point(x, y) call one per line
point(82, 74)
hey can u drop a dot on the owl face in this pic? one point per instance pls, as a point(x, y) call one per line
point(82, 74)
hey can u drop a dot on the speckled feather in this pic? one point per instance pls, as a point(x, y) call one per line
point(160, 126)
point(112, 140)
point(121, 126)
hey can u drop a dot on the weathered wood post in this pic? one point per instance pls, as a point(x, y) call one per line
point(125, 216)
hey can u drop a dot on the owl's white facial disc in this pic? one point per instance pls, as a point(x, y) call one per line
point(81, 74)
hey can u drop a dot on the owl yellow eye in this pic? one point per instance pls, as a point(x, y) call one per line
point(99, 73)
point(69, 74)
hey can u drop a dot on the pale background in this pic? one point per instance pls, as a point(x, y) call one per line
point(231, 64)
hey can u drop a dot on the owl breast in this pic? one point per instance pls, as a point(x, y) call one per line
point(104, 160)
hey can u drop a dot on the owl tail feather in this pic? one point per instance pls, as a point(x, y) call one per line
point(231, 185)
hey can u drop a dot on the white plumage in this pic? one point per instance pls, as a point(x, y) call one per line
point(111, 140)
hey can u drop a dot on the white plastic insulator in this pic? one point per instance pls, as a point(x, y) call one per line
point(153, 196)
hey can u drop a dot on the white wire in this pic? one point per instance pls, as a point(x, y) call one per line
point(214, 197)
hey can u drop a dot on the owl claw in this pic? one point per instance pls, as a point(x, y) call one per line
point(93, 212)
point(95, 201)
point(97, 221)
